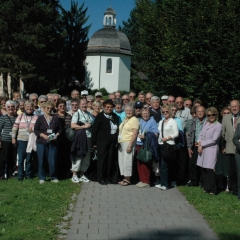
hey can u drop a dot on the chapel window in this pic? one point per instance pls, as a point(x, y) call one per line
point(109, 65)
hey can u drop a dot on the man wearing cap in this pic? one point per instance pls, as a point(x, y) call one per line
point(138, 109)
point(164, 99)
point(98, 96)
point(84, 93)
point(74, 94)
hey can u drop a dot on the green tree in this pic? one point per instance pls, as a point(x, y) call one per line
point(29, 42)
point(73, 22)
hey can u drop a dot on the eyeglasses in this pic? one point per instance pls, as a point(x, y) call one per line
point(10, 107)
point(189, 105)
point(148, 98)
point(90, 101)
point(48, 108)
point(226, 113)
point(174, 110)
point(165, 112)
point(170, 101)
point(132, 96)
point(42, 101)
point(179, 102)
point(124, 99)
point(211, 115)
point(74, 105)
point(98, 96)
point(35, 99)
point(138, 108)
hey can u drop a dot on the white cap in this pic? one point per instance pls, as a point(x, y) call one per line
point(84, 92)
point(164, 97)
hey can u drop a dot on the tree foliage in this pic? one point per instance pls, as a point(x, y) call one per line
point(188, 48)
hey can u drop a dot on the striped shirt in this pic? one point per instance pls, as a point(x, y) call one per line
point(22, 123)
point(6, 124)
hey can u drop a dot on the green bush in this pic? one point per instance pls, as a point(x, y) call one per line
point(103, 91)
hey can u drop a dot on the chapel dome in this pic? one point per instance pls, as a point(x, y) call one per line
point(108, 39)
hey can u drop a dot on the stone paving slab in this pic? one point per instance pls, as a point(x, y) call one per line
point(116, 212)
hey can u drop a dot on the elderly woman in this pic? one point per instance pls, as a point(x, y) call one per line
point(168, 131)
point(3, 109)
point(41, 101)
point(97, 106)
point(23, 126)
point(148, 129)
point(208, 150)
point(82, 120)
point(74, 106)
point(90, 100)
point(7, 149)
point(104, 139)
point(118, 110)
point(47, 129)
point(128, 132)
point(64, 145)
point(21, 106)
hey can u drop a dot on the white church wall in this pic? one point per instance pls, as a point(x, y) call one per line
point(109, 80)
point(124, 73)
point(92, 71)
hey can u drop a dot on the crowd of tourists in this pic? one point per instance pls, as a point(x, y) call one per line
point(144, 140)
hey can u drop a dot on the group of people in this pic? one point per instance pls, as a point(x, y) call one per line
point(126, 139)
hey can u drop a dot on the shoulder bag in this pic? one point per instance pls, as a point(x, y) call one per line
point(145, 154)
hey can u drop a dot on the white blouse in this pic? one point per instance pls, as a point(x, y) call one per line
point(170, 129)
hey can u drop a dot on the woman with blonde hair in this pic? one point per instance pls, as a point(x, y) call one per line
point(47, 129)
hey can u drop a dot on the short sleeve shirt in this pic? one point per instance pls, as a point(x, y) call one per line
point(85, 118)
point(125, 129)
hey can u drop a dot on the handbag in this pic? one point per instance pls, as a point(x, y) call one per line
point(145, 154)
point(168, 151)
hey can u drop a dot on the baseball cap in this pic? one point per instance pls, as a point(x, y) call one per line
point(164, 97)
point(138, 104)
point(98, 94)
point(84, 92)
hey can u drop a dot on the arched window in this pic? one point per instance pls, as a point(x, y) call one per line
point(106, 21)
point(109, 65)
point(110, 21)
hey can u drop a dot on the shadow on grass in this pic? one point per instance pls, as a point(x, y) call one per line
point(229, 236)
point(176, 234)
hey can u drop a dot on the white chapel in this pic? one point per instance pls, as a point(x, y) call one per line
point(108, 57)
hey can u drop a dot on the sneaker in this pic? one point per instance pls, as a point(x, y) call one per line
point(55, 180)
point(84, 179)
point(163, 188)
point(173, 184)
point(143, 185)
point(75, 179)
point(41, 181)
point(138, 184)
point(158, 186)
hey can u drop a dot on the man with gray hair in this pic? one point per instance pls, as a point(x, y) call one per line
point(155, 109)
point(42, 99)
point(34, 98)
point(148, 98)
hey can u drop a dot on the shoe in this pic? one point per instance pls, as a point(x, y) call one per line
point(158, 186)
point(144, 185)
point(138, 184)
point(173, 184)
point(41, 181)
point(84, 179)
point(75, 179)
point(55, 180)
point(163, 188)
point(102, 182)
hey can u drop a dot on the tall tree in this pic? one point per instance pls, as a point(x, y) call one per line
point(76, 32)
point(29, 42)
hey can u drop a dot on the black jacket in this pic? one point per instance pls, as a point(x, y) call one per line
point(101, 130)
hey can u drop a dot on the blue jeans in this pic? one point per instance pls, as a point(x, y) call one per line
point(22, 155)
point(48, 152)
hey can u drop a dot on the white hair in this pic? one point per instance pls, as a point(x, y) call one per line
point(10, 102)
point(33, 94)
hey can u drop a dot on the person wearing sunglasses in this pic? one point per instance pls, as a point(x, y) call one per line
point(74, 95)
point(168, 131)
point(90, 101)
point(3, 109)
point(125, 100)
point(34, 98)
point(192, 145)
point(138, 109)
point(132, 96)
point(98, 97)
point(208, 148)
point(188, 103)
point(41, 100)
point(104, 139)
point(47, 130)
point(21, 131)
point(7, 149)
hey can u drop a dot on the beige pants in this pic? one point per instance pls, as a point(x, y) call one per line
point(125, 160)
point(82, 164)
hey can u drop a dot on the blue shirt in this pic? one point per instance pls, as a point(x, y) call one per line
point(121, 116)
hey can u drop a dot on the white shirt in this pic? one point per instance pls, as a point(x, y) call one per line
point(170, 129)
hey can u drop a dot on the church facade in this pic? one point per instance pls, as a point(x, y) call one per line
point(108, 57)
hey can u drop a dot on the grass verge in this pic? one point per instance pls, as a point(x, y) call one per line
point(29, 210)
point(222, 212)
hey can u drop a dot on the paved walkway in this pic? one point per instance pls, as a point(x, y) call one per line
point(117, 212)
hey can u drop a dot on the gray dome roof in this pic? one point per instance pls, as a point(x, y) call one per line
point(109, 40)
point(110, 11)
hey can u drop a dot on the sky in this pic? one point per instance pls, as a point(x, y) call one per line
point(96, 9)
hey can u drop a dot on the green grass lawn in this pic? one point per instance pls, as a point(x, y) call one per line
point(222, 211)
point(29, 210)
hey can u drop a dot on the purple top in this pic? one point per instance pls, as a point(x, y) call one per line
point(41, 126)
